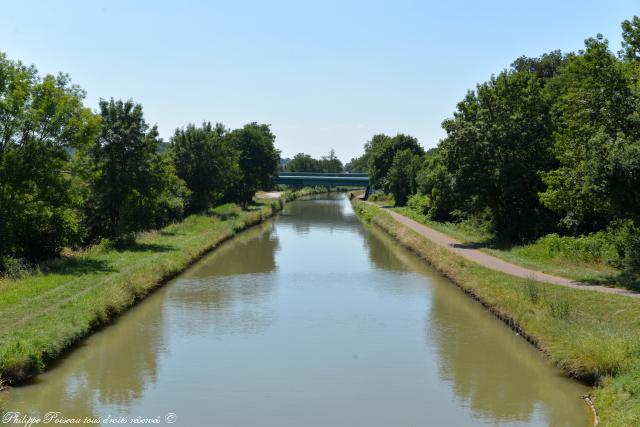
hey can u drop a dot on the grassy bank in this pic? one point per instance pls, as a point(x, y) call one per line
point(589, 335)
point(290, 194)
point(580, 258)
point(48, 310)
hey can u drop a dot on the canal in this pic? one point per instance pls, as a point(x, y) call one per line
point(310, 319)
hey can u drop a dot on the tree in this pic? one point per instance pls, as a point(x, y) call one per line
point(631, 39)
point(207, 163)
point(258, 161)
point(331, 163)
point(302, 162)
point(401, 177)
point(497, 142)
point(383, 151)
point(595, 141)
point(360, 164)
point(134, 186)
point(44, 129)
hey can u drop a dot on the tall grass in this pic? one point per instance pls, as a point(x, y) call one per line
point(589, 335)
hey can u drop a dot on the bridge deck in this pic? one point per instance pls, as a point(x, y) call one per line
point(304, 179)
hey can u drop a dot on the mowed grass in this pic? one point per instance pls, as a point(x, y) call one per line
point(565, 257)
point(45, 312)
point(589, 335)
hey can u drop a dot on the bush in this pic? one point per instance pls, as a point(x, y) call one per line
point(594, 247)
point(226, 211)
point(419, 203)
point(626, 240)
point(12, 267)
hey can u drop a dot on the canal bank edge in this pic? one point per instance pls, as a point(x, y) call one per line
point(28, 348)
point(566, 324)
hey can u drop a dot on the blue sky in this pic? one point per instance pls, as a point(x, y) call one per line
point(325, 74)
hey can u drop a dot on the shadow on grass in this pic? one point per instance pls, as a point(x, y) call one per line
point(621, 280)
point(145, 247)
point(77, 266)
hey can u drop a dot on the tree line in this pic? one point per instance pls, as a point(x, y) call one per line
point(550, 145)
point(70, 176)
point(302, 162)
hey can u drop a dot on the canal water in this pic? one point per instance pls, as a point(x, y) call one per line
point(310, 319)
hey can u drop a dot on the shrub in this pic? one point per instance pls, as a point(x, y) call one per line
point(594, 247)
point(419, 203)
point(12, 267)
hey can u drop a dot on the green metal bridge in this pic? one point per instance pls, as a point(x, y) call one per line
point(311, 179)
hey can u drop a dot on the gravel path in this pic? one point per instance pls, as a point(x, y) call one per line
point(498, 264)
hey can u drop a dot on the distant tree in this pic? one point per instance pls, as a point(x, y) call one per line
point(258, 161)
point(331, 163)
point(401, 177)
point(360, 164)
point(302, 162)
point(435, 181)
point(207, 163)
point(383, 151)
point(135, 186)
point(44, 129)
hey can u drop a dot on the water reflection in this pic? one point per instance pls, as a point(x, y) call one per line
point(225, 292)
point(310, 319)
point(503, 378)
point(114, 367)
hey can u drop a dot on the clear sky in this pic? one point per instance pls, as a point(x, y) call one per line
point(325, 74)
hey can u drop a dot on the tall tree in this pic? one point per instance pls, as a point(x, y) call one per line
point(258, 160)
point(595, 140)
point(383, 151)
point(135, 186)
point(401, 177)
point(44, 128)
point(206, 161)
point(497, 142)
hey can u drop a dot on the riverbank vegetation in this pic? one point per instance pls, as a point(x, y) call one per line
point(589, 335)
point(65, 298)
point(96, 209)
point(70, 178)
point(541, 164)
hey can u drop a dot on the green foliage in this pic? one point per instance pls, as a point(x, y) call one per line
point(594, 247)
point(419, 203)
point(382, 151)
point(302, 162)
point(631, 39)
point(359, 164)
point(44, 129)
point(401, 176)
point(134, 185)
point(12, 267)
point(595, 141)
point(206, 162)
point(497, 143)
point(258, 161)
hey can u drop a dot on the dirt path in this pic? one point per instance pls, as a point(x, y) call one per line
point(268, 195)
point(494, 263)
